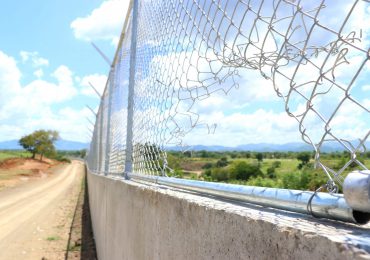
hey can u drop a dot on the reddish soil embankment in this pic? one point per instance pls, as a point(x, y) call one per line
point(15, 171)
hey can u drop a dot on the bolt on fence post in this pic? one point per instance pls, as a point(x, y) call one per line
point(131, 91)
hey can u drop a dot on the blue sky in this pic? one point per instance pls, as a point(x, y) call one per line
point(45, 53)
point(46, 62)
point(45, 27)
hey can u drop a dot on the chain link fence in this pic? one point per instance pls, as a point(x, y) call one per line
point(175, 54)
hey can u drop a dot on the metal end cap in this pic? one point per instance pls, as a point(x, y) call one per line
point(356, 190)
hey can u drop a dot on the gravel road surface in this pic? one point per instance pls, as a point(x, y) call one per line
point(35, 217)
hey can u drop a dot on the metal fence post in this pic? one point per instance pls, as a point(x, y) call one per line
point(109, 113)
point(131, 91)
point(100, 138)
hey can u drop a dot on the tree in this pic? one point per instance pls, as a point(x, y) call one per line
point(204, 154)
point(222, 162)
point(247, 155)
point(243, 171)
point(304, 157)
point(271, 172)
point(40, 142)
point(259, 157)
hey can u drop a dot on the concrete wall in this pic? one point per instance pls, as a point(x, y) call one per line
point(138, 221)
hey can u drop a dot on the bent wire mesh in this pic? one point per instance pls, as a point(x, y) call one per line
point(314, 54)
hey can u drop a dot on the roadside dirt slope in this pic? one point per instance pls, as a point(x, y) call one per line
point(15, 171)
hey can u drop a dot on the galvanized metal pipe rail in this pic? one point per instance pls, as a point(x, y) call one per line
point(322, 205)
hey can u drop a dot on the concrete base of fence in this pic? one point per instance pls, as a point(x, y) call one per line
point(137, 221)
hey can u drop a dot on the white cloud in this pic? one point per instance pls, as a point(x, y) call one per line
point(45, 92)
point(262, 126)
point(38, 96)
point(251, 89)
point(74, 123)
point(11, 131)
point(34, 58)
point(10, 76)
point(25, 108)
point(70, 123)
point(97, 80)
point(39, 73)
point(103, 23)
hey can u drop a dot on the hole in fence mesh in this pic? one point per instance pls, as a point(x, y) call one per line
point(237, 72)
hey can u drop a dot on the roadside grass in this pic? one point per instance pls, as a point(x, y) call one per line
point(53, 238)
point(74, 248)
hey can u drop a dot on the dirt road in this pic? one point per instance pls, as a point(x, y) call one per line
point(35, 218)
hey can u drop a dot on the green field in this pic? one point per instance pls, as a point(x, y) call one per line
point(62, 156)
point(279, 169)
point(6, 154)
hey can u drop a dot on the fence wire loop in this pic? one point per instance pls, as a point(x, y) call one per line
point(330, 186)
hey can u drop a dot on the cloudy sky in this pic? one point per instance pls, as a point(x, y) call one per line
point(47, 62)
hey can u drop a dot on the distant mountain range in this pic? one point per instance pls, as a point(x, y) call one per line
point(265, 147)
point(261, 147)
point(60, 145)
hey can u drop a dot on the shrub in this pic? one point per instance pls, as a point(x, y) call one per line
point(219, 174)
point(207, 172)
point(304, 157)
point(207, 166)
point(262, 182)
point(63, 159)
point(178, 173)
point(276, 164)
point(302, 180)
point(292, 181)
point(271, 172)
point(222, 162)
point(243, 171)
